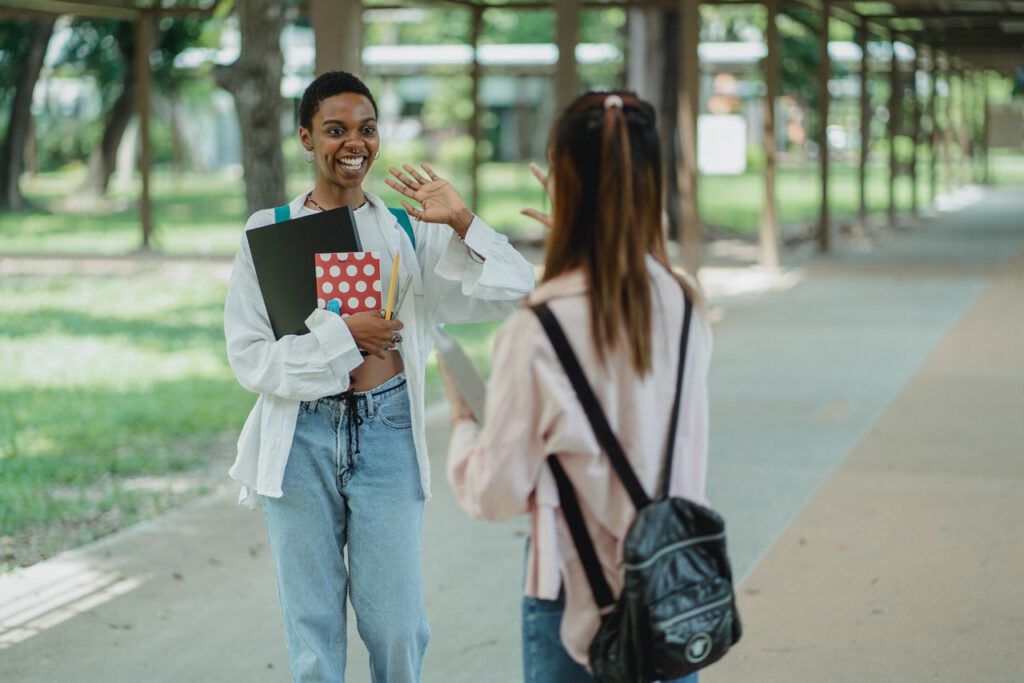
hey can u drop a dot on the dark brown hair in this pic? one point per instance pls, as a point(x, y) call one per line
point(607, 210)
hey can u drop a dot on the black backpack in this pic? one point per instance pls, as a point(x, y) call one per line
point(677, 612)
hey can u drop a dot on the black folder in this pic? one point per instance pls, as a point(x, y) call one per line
point(283, 255)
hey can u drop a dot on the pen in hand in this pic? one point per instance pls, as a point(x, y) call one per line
point(402, 291)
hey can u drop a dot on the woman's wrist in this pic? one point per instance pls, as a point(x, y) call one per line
point(461, 221)
point(463, 417)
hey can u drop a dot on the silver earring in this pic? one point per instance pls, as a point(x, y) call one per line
point(378, 155)
point(309, 156)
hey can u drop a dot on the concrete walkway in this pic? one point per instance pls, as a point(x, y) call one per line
point(866, 452)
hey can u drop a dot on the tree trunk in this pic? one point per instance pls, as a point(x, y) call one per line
point(653, 72)
point(12, 150)
point(103, 159)
point(255, 82)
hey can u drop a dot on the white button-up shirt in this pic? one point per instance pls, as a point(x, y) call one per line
point(453, 281)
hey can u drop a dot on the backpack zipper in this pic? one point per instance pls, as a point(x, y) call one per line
point(675, 546)
point(694, 612)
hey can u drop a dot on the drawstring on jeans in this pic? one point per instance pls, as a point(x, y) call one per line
point(354, 420)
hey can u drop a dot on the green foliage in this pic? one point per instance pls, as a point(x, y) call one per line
point(15, 37)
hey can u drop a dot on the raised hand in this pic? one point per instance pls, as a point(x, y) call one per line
point(373, 333)
point(545, 182)
point(438, 199)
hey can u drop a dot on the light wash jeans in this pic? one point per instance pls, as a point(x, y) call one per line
point(544, 657)
point(352, 482)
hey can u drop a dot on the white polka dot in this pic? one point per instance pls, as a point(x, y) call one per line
point(320, 303)
point(328, 287)
point(345, 315)
point(325, 258)
point(371, 302)
point(335, 271)
point(343, 256)
point(376, 285)
point(369, 270)
point(360, 286)
point(352, 270)
point(343, 287)
point(359, 255)
point(353, 302)
point(319, 271)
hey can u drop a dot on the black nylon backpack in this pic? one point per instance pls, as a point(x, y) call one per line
point(677, 611)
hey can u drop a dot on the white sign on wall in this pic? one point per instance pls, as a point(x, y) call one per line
point(721, 144)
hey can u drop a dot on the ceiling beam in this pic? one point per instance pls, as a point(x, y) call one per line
point(76, 8)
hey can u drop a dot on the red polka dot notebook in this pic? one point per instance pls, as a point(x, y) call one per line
point(349, 282)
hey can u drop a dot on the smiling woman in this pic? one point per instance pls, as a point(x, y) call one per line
point(335, 447)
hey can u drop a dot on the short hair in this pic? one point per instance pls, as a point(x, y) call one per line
point(328, 85)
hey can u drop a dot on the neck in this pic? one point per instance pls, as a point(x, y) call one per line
point(331, 196)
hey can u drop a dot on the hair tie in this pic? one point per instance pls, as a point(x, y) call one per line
point(612, 101)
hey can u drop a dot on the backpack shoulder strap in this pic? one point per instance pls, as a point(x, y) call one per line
point(666, 475)
point(403, 220)
point(596, 416)
point(581, 537)
point(282, 213)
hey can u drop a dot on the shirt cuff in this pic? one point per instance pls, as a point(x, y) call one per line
point(479, 236)
point(336, 341)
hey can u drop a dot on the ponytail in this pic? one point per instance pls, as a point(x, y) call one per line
point(607, 209)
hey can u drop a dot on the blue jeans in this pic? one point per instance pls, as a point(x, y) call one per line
point(352, 481)
point(544, 657)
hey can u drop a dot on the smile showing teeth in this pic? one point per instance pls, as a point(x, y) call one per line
point(354, 162)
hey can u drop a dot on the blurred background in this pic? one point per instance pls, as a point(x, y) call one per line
point(135, 138)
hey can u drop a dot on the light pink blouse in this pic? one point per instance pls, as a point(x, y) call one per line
point(499, 470)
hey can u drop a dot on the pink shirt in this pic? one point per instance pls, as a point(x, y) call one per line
point(499, 470)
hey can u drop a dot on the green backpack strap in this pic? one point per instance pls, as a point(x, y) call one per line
point(282, 213)
point(403, 220)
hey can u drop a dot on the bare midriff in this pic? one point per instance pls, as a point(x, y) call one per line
point(375, 371)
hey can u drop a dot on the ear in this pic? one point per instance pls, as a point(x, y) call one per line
point(306, 138)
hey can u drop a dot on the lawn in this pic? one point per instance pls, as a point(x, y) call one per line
point(116, 400)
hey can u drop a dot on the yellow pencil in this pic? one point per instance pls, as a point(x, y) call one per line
point(391, 289)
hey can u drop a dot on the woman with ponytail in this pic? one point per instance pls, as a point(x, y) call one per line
point(608, 283)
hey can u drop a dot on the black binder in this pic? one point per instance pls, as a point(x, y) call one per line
point(283, 255)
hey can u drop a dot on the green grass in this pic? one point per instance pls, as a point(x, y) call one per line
point(108, 379)
point(204, 214)
point(114, 385)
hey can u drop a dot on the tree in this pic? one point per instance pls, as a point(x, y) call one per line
point(655, 75)
point(106, 51)
point(254, 80)
point(26, 42)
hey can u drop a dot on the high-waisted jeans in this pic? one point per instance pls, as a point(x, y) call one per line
point(545, 659)
point(352, 481)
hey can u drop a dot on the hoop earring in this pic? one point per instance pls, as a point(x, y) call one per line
point(309, 156)
point(378, 155)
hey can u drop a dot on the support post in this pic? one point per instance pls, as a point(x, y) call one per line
point(985, 130)
point(770, 215)
point(961, 128)
point(865, 130)
point(934, 132)
point(824, 71)
point(893, 129)
point(474, 123)
point(915, 133)
point(567, 82)
point(686, 173)
point(947, 137)
point(143, 74)
point(338, 35)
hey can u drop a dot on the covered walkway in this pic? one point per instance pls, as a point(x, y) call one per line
point(866, 451)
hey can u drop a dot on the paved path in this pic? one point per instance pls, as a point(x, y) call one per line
point(866, 452)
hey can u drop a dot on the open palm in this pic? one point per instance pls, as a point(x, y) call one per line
point(439, 201)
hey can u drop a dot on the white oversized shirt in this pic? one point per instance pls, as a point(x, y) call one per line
point(499, 470)
point(450, 284)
